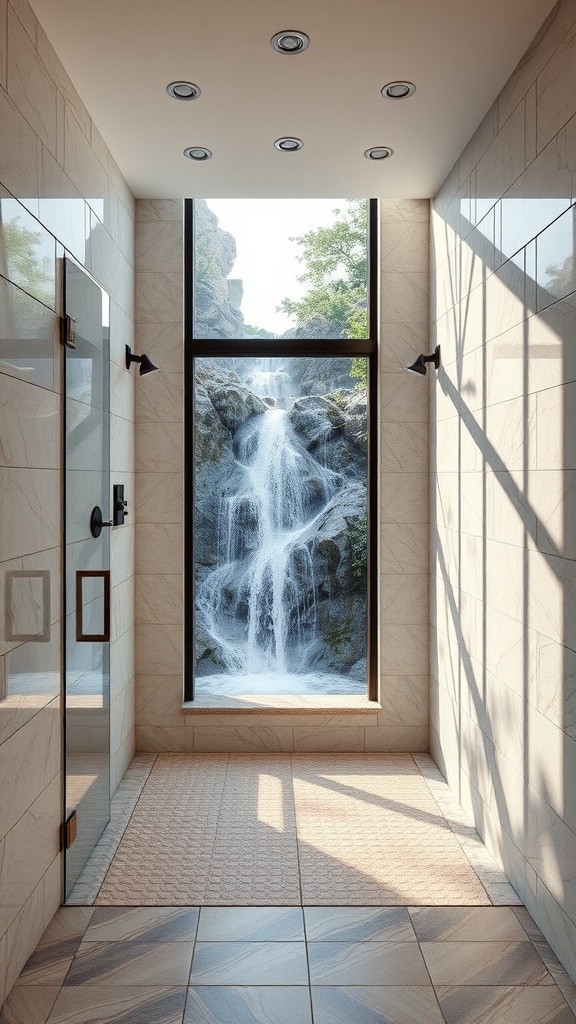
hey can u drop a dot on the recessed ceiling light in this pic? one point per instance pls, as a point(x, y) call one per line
point(197, 153)
point(183, 90)
point(289, 145)
point(398, 90)
point(378, 153)
point(290, 42)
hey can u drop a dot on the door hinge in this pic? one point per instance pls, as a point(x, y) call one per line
point(69, 830)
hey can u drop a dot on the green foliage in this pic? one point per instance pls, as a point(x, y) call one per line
point(358, 533)
point(359, 371)
point(338, 633)
point(335, 262)
point(257, 332)
point(30, 271)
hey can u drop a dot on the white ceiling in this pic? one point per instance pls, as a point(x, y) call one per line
point(121, 54)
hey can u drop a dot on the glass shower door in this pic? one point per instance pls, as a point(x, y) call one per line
point(87, 567)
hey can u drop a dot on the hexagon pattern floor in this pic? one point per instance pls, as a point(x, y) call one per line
point(287, 829)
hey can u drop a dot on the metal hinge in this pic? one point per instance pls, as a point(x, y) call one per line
point(69, 830)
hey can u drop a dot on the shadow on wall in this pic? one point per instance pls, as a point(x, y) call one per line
point(503, 534)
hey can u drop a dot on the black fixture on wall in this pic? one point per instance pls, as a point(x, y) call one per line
point(119, 505)
point(419, 364)
point(146, 364)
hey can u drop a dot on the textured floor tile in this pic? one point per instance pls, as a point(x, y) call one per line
point(146, 924)
point(249, 963)
point(29, 1004)
point(228, 1004)
point(358, 924)
point(375, 1005)
point(484, 963)
point(461, 924)
point(49, 964)
point(366, 963)
point(122, 1005)
point(131, 963)
point(281, 829)
point(251, 924)
point(540, 1004)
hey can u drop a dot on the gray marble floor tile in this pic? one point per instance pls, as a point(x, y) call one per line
point(535, 1004)
point(366, 963)
point(143, 924)
point(29, 1004)
point(358, 924)
point(49, 964)
point(119, 1005)
point(131, 963)
point(67, 923)
point(375, 1005)
point(251, 924)
point(484, 963)
point(249, 963)
point(229, 1004)
point(467, 924)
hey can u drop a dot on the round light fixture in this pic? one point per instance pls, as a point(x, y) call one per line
point(378, 153)
point(398, 90)
point(197, 153)
point(289, 145)
point(290, 42)
point(183, 90)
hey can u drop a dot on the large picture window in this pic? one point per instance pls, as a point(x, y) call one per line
point(280, 365)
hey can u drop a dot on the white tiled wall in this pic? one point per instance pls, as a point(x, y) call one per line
point(59, 184)
point(503, 423)
point(402, 722)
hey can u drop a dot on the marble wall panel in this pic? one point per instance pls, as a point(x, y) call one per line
point(29, 84)
point(502, 697)
point(52, 158)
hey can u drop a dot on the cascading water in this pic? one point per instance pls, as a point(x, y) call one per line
point(259, 603)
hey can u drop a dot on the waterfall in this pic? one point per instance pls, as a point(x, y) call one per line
point(259, 602)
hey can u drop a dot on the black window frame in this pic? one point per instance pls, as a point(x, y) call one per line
point(284, 348)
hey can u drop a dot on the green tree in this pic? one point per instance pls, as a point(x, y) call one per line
point(335, 262)
point(23, 265)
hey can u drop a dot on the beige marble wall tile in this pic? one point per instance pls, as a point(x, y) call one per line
point(411, 210)
point(164, 344)
point(159, 246)
point(404, 498)
point(403, 548)
point(122, 543)
point(31, 758)
point(504, 160)
point(22, 444)
point(400, 343)
point(243, 739)
point(404, 649)
point(397, 737)
point(122, 661)
point(479, 143)
point(403, 599)
point(29, 85)
point(3, 41)
point(319, 740)
point(29, 511)
point(404, 245)
point(160, 448)
point(160, 210)
point(159, 498)
point(60, 77)
point(88, 175)
point(19, 161)
point(160, 398)
point(160, 549)
point(122, 608)
point(159, 649)
point(23, 934)
point(556, 90)
point(404, 398)
point(160, 598)
point(122, 718)
point(404, 297)
point(404, 701)
point(27, 18)
point(161, 739)
point(159, 297)
point(29, 849)
point(159, 701)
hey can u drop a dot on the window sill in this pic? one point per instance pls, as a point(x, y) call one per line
point(299, 704)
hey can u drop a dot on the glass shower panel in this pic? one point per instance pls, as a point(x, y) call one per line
point(87, 566)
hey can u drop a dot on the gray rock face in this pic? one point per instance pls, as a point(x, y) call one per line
point(231, 399)
point(216, 299)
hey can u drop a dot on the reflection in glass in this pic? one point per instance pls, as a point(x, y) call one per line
point(555, 270)
point(280, 268)
point(280, 525)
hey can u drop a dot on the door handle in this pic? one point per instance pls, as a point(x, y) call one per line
point(81, 636)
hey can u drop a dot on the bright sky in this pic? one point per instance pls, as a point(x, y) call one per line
point(266, 261)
